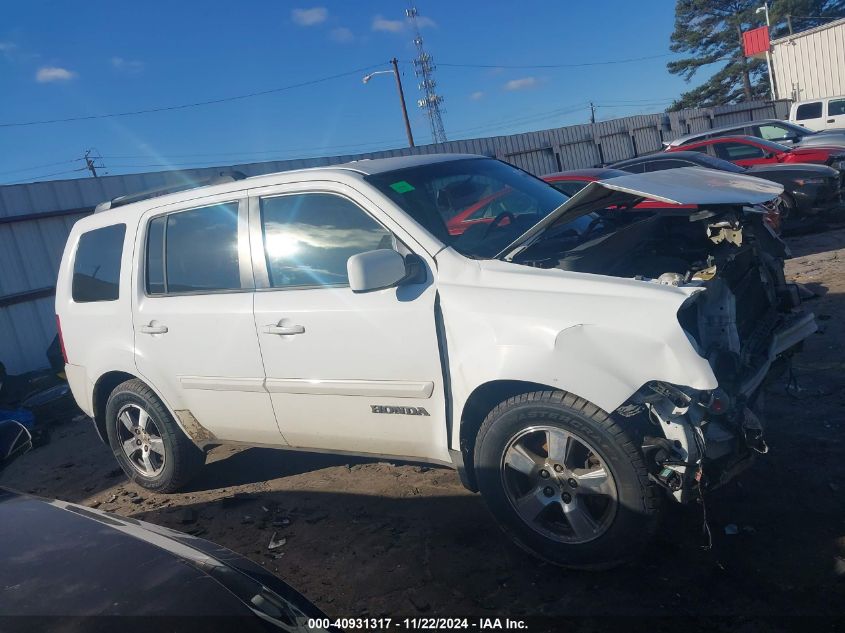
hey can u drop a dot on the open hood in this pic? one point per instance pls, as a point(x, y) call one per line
point(686, 185)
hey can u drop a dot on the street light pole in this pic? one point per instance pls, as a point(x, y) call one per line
point(395, 63)
point(765, 8)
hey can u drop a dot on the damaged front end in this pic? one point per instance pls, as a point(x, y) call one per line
point(698, 440)
point(742, 316)
point(747, 323)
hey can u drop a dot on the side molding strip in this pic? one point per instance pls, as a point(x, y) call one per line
point(221, 383)
point(377, 388)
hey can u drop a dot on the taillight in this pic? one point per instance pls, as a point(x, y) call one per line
point(61, 339)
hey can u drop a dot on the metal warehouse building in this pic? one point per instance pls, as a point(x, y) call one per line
point(810, 64)
point(35, 218)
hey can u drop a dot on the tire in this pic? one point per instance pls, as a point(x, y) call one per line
point(164, 459)
point(613, 506)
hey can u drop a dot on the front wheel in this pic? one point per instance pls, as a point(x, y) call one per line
point(146, 441)
point(564, 481)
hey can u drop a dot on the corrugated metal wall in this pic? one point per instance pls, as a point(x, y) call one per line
point(36, 218)
point(811, 64)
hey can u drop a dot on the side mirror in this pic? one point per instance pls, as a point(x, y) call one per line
point(376, 270)
point(15, 440)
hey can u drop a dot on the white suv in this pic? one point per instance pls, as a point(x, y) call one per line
point(565, 355)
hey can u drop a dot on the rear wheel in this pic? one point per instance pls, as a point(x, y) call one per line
point(146, 441)
point(565, 481)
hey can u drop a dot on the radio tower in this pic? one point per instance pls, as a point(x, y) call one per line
point(424, 69)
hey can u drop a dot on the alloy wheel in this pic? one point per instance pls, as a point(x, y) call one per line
point(559, 484)
point(140, 438)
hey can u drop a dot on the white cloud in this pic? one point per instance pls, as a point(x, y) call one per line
point(309, 17)
point(521, 84)
point(341, 34)
point(475, 96)
point(381, 23)
point(47, 74)
point(127, 65)
point(8, 50)
point(423, 22)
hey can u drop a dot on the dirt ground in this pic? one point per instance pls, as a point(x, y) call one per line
point(368, 537)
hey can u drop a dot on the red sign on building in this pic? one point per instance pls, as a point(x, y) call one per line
point(756, 42)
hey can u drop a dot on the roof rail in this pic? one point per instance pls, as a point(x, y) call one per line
point(219, 178)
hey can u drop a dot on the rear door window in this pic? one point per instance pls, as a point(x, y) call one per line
point(96, 267)
point(806, 111)
point(194, 251)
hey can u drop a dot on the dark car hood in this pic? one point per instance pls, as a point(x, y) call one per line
point(834, 150)
point(792, 169)
point(824, 137)
point(61, 559)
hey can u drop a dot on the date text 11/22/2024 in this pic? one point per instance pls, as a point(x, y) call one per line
point(436, 624)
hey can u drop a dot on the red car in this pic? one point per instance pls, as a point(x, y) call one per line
point(750, 150)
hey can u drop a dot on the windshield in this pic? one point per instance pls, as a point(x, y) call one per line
point(475, 205)
point(797, 129)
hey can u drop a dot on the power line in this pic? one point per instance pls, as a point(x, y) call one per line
point(526, 119)
point(650, 100)
point(578, 65)
point(34, 167)
point(33, 178)
point(195, 104)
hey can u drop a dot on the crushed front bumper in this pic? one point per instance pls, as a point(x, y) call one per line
point(703, 446)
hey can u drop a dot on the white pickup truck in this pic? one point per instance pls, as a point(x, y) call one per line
point(576, 361)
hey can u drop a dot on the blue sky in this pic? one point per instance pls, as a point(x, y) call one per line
point(63, 59)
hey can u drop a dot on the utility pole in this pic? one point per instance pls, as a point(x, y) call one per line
point(765, 8)
point(592, 112)
point(424, 69)
point(395, 72)
point(89, 163)
point(789, 22)
point(395, 63)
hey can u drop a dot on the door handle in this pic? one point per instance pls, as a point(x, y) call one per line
point(284, 330)
point(153, 328)
point(831, 120)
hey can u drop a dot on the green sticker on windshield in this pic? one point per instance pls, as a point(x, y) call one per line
point(402, 186)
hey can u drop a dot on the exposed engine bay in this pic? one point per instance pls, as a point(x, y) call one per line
point(746, 321)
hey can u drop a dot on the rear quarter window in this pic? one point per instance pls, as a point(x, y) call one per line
point(96, 266)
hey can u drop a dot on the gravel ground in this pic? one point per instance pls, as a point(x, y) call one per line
point(369, 537)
